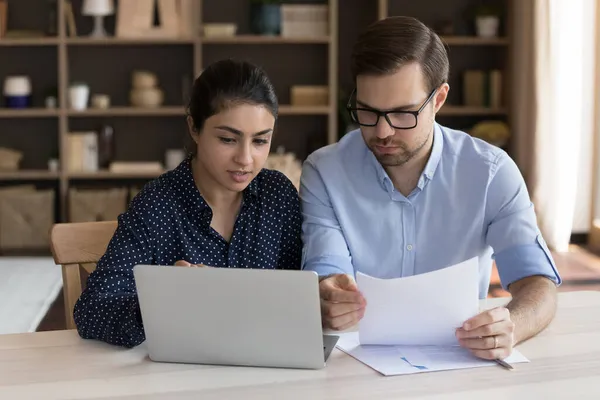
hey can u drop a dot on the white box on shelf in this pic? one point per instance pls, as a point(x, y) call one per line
point(304, 20)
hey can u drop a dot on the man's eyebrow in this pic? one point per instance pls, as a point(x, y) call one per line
point(240, 133)
point(400, 108)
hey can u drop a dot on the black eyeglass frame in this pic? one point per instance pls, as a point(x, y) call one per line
point(385, 113)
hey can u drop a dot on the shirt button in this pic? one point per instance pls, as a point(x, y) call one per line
point(409, 247)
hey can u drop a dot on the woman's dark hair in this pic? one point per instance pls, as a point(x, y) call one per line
point(228, 83)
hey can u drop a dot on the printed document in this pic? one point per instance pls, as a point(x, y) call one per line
point(410, 323)
point(399, 360)
point(423, 309)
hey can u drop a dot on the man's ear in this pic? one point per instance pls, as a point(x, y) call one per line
point(440, 97)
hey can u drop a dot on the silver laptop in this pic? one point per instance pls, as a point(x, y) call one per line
point(230, 316)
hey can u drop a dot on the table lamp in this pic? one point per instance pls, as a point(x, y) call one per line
point(98, 9)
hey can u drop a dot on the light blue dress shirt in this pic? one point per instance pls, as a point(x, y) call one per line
point(470, 201)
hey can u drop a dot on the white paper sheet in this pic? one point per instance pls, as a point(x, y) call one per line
point(423, 309)
point(400, 360)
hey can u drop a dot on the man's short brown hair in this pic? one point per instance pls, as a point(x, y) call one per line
point(393, 42)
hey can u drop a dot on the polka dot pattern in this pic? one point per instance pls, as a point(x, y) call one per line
point(169, 221)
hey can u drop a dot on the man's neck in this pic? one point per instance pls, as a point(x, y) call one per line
point(405, 177)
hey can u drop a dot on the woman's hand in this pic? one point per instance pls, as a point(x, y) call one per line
point(183, 263)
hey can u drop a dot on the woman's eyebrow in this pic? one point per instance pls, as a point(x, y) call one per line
point(240, 133)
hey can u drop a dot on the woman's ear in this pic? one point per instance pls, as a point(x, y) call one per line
point(190, 122)
point(192, 129)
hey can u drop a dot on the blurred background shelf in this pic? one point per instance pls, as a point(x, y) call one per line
point(28, 175)
point(128, 112)
point(258, 39)
point(111, 175)
point(143, 134)
point(28, 113)
point(22, 42)
point(449, 110)
point(112, 41)
point(474, 41)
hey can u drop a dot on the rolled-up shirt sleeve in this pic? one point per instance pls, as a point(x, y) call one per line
point(512, 231)
point(325, 250)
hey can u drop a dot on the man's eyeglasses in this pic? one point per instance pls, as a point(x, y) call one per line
point(396, 119)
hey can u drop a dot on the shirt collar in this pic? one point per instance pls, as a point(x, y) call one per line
point(436, 152)
point(428, 171)
point(191, 196)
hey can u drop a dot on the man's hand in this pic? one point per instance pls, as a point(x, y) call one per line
point(183, 263)
point(489, 335)
point(342, 305)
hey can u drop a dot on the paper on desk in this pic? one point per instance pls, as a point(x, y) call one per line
point(423, 309)
point(400, 360)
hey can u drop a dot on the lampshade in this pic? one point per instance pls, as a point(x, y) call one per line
point(98, 7)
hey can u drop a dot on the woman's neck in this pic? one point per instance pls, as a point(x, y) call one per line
point(213, 193)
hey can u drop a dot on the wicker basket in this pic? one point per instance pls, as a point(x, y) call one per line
point(26, 217)
point(10, 159)
point(96, 205)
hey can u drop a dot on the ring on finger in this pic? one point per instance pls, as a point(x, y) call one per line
point(495, 342)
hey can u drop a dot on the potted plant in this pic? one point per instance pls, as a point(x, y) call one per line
point(265, 17)
point(487, 20)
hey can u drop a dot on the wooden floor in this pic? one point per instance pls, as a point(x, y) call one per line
point(579, 269)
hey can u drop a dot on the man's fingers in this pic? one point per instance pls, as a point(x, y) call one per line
point(333, 310)
point(496, 354)
point(487, 318)
point(496, 328)
point(342, 296)
point(486, 343)
point(344, 321)
point(340, 289)
point(345, 282)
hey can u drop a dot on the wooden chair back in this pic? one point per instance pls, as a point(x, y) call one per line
point(74, 246)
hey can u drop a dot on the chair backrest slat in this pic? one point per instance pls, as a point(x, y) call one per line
point(77, 245)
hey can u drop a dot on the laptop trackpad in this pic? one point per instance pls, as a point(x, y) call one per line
point(329, 342)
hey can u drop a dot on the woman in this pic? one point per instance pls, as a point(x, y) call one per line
point(218, 208)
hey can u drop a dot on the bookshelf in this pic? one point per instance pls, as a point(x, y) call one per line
point(466, 51)
point(143, 134)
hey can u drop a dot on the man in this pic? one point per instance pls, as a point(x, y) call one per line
point(404, 195)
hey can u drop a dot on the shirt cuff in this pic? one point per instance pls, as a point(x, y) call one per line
point(329, 265)
point(520, 262)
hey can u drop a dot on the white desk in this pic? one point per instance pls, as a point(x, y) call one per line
point(565, 363)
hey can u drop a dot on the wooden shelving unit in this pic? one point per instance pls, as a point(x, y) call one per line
point(257, 39)
point(31, 42)
point(110, 175)
point(29, 113)
point(143, 134)
point(29, 175)
point(473, 41)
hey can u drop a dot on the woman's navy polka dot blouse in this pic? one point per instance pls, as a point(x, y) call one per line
point(169, 221)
